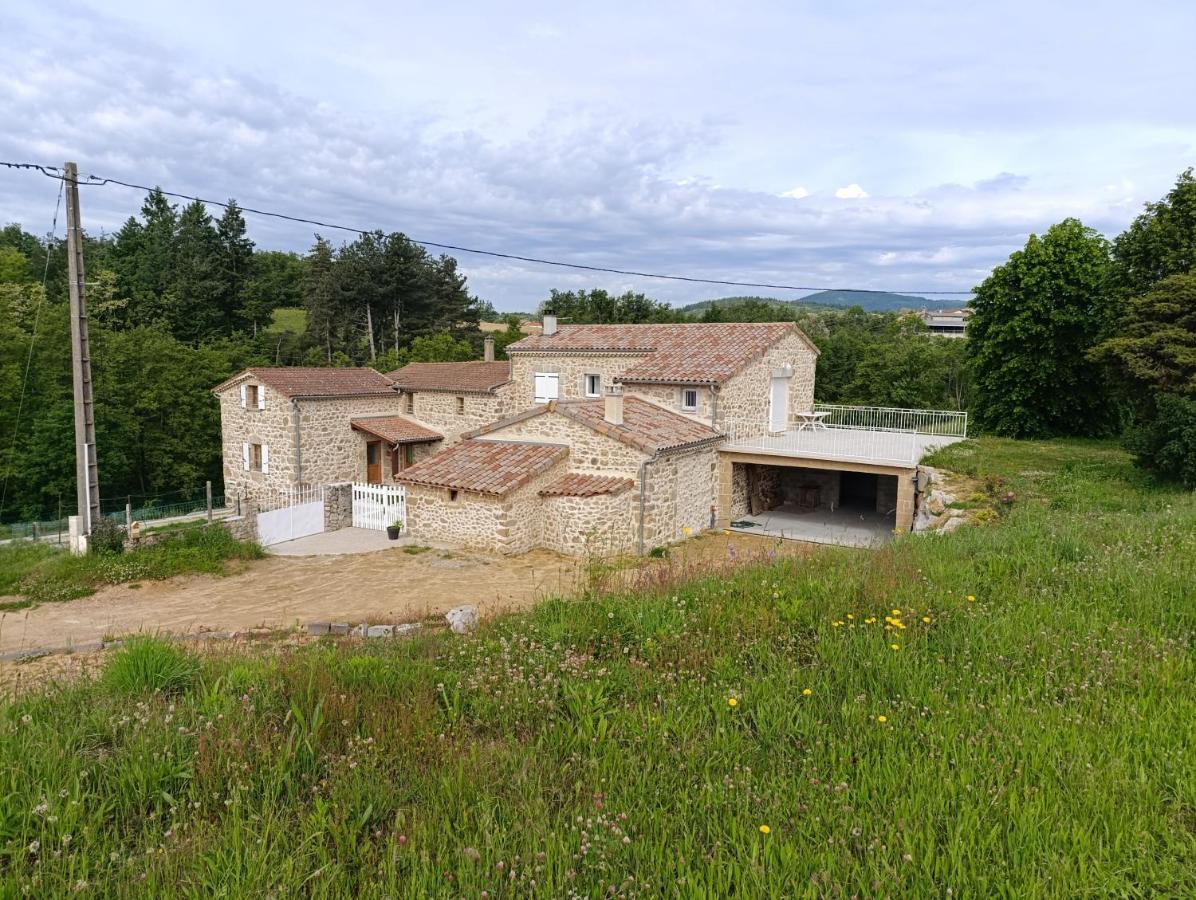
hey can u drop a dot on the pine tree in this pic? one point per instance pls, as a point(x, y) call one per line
point(235, 267)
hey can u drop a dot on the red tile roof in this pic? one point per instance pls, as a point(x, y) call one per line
point(396, 429)
point(484, 467)
point(463, 377)
point(300, 381)
point(646, 426)
point(587, 486)
point(694, 352)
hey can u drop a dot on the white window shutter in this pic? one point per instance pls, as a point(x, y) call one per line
point(261, 397)
point(554, 385)
point(265, 458)
point(242, 396)
point(245, 454)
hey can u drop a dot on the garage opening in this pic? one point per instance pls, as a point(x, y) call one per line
point(825, 506)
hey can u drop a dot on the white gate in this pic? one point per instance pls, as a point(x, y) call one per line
point(290, 514)
point(378, 505)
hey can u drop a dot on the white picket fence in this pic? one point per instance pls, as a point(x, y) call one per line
point(378, 505)
point(289, 514)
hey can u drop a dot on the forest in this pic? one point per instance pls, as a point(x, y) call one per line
point(179, 300)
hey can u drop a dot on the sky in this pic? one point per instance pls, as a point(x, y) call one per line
point(900, 146)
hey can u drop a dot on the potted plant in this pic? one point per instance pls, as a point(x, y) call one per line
point(394, 529)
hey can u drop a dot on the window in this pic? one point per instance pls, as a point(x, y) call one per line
point(411, 404)
point(689, 399)
point(255, 457)
point(547, 386)
point(452, 496)
point(251, 396)
point(593, 385)
point(460, 406)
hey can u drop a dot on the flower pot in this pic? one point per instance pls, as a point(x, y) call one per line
point(393, 532)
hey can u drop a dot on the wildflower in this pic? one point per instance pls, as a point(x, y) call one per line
point(34, 846)
point(896, 612)
point(894, 646)
point(764, 829)
point(807, 692)
point(732, 701)
point(686, 531)
point(882, 719)
point(971, 599)
point(850, 616)
point(926, 619)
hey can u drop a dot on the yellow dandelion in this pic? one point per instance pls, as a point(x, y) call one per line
point(894, 646)
point(882, 719)
point(971, 599)
point(764, 829)
point(836, 624)
point(685, 531)
point(896, 612)
point(807, 692)
point(732, 701)
point(926, 619)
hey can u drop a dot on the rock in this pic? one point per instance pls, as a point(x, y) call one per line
point(462, 619)
point(936, 503)
point(923, 521)
point(380, 631)
point(359, 630)
point(409, 628)
point(319, 627)
point(87, 647)
point(338, 628)
point(952, 524)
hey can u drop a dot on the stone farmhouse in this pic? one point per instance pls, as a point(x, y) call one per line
point(592, 439)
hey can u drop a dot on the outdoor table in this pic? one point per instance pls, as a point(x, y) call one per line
point(811, 421)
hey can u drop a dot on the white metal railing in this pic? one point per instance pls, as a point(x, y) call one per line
point(940, 422)
point(377, 505)
point(831, 442)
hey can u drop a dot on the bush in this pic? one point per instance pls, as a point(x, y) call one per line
point(107, 538)
point(1165, 446)
point(151, 664)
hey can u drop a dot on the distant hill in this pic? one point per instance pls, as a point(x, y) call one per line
point(881, 301)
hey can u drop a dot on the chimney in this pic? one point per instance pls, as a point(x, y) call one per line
point(549, 326)
point(613, 405)
point(488, 349)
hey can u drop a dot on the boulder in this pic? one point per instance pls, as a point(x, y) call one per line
point(951, 524)
point(462, 619)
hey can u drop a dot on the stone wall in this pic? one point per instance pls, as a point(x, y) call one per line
point(332, 450)
point(670, 397)
point(338, 506)
point(472, 521)
point(523, 517)
point(572, 368)
point(681, 489)
point(590, 453)
point(744, 397)
point(272, 427)
point(439, 410)
point(600, 526)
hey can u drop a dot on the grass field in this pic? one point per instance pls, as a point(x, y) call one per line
point(288, 318)
point(1003, 712)
point(35, 572)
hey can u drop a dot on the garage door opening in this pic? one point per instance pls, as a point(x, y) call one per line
point(825, 506)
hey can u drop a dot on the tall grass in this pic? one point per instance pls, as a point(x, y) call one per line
point(37, 573)
point(1031, 735)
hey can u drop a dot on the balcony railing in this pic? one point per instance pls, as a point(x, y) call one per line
point(863, 433)
point(943, 422)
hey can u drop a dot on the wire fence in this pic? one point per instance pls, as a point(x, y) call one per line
point(57, 531)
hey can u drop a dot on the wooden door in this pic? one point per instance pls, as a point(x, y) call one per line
point(373, 462)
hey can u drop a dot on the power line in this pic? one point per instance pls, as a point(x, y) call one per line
point(97, 181)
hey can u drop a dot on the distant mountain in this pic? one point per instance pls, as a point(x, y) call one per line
point(880, 301)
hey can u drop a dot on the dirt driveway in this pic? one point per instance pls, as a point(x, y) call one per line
point(386, 586)
point(383, 586)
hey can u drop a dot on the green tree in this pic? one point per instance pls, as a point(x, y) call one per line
point(234, 267)
point(1161, 241)
point(321, 297)
point(600, 307)
point(1036, 318)
point(276, 280)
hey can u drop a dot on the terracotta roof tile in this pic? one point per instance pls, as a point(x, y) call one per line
point(467, 377)
point(396, 429)
point(301, 381)
point(484, 467)
point(696, 352)
point(647, 426)
point(587, 486)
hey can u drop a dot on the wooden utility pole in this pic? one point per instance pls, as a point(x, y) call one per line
point(85, 427)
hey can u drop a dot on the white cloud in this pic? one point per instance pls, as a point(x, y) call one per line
point(796, 193)
point(851, 192)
